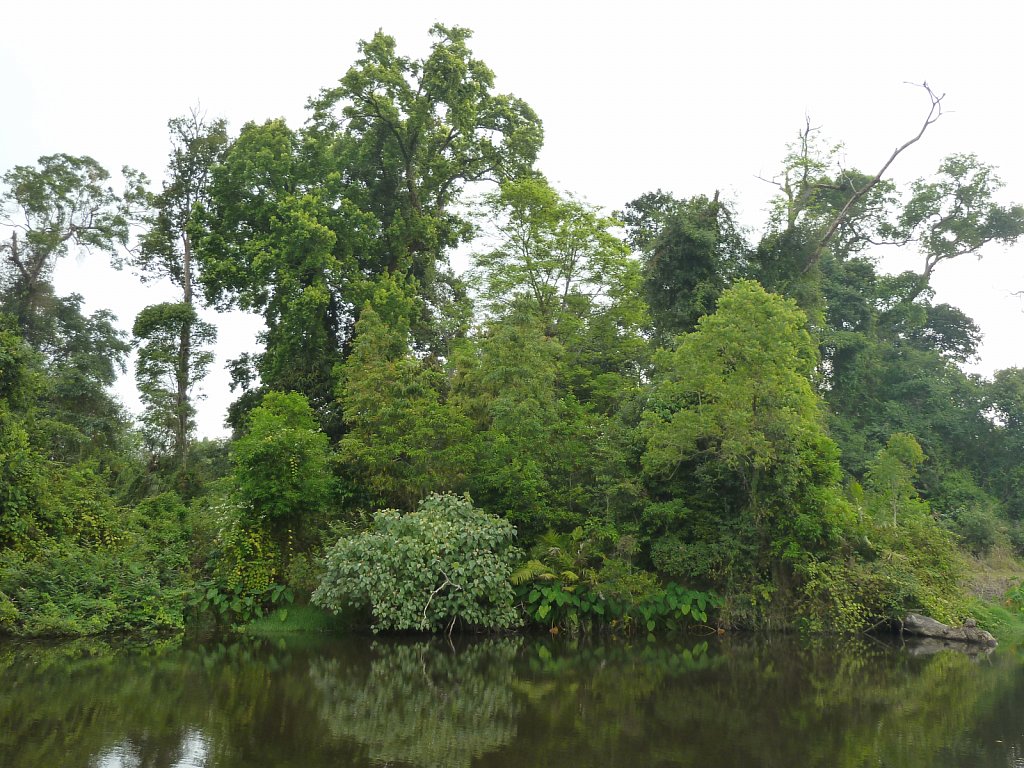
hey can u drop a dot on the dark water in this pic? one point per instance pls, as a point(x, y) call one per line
point(312, 702)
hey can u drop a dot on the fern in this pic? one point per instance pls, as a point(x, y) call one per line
point(532, 570)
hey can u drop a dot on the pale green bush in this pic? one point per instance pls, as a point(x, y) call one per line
point(445, 563)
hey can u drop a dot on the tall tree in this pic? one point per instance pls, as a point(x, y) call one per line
point(172, 356)
point(555, 254)
point(889, 355)
point(301, 223)
point(410, 134)
point(76, 417)
point(822, 205)
point(48, 209)
point(824, 211)
point(954, 214)
point(283, 241)
point(827, 211)
point(559, 260)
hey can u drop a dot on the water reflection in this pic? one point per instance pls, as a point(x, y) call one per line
point(191, 753)
point(314, 702)
point(423, 704)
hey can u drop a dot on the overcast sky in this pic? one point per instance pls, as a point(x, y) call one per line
point(689, 97)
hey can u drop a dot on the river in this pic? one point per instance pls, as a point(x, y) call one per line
point(318, 701)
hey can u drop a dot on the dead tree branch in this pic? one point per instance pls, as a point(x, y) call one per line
point(446, 583)
point(934, 113)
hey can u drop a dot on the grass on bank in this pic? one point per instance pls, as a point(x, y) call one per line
point(1005, 622)
point(993, 580)
point(295, 618)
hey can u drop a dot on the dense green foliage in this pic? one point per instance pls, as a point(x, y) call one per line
point(404, 439)
point(676, 423)
point(104, 579)
point(165, 367)
point(444, 563)
point(281, 466)
point(747, 478)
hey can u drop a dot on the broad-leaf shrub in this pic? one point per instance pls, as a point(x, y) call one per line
point(443, 563)
point(582, 607)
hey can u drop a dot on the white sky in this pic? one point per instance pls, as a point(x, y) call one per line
point(689, 97)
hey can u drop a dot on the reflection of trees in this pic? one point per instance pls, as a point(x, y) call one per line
point(783, 704)
point(63, 704)
point(423, 704)
point(508, 702)
point(147, 705)
point(591, 699)
point(767, 702)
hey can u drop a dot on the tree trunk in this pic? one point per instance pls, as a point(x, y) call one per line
point(184, 352)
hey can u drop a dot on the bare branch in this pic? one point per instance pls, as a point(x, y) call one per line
point(934, 113)
point(772, 181)
point(446, 583)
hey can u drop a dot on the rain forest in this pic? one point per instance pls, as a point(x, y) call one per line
point(483, 405)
